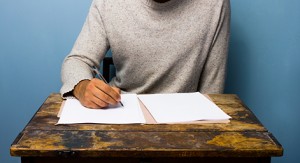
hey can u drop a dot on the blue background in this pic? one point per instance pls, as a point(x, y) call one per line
point(263, 67)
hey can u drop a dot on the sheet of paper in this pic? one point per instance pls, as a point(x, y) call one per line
point(182, 107)
point(74, 112)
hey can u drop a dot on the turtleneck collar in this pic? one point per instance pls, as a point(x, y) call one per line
point(157, 5)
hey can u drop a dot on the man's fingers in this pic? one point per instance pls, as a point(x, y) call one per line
point(97, 103)
point(91, 101)
point(94, 104)
point(109, 91)
point(103, 96)
point(116, 89)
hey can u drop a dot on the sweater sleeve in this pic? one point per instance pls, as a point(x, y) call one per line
point(88, 50)
point(214, 71)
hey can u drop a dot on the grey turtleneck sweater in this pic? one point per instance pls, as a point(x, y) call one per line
point(177, 46)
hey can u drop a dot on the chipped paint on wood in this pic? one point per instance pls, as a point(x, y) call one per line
point(238, 141)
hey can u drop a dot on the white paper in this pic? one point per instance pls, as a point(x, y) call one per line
point(74, 112)
point(182, 107)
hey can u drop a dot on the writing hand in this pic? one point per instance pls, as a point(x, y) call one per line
point(96, 94)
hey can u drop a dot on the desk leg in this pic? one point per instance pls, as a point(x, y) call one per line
point(27, 160)
point(264, 160)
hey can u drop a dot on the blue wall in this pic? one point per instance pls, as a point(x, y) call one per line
point(36, 35)
point(264, 66)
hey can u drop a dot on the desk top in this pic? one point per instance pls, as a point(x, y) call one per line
point(244, 136)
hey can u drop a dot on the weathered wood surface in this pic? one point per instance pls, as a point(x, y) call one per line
point(244, 136)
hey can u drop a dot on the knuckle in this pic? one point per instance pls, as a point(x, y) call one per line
point(93, 80)
point(105, 87)
point(89, 87)
point(93, 107)
point(85, 95)
point(116, 89)
point(101, 103)
point(106, 98)
point(85, 103)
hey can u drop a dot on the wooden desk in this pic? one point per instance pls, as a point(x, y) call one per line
point(244, 139)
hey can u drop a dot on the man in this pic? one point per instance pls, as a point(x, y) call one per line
point(158, 46)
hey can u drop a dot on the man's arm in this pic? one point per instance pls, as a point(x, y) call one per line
point(214, 71)
point(89, 49)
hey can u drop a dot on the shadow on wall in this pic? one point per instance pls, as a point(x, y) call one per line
point(238, 67)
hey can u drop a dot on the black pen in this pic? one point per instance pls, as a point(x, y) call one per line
point(102, 78)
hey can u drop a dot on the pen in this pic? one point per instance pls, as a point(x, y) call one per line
point(102, 78)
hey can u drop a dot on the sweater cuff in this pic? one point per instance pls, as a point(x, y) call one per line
point(67, 89)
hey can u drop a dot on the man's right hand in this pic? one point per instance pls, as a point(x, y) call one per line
point(96, 94)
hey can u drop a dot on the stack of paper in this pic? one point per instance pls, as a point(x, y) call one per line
point(182, 107)
point(163, 108)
